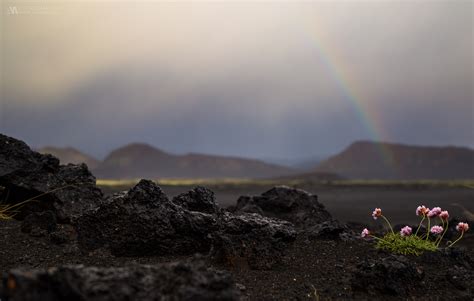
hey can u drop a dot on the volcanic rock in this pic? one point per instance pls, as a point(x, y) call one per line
point(143, 221)
point(63, 234)
point(172, 281)
point(66, 190)
point(458, 266)
point(199, 199)
point(331, 229)
point(392, 275)
point(251, 240)
point(298, 207)
point(294, 205)
point(39, 223)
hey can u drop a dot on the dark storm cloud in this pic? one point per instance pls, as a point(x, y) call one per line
point(244, 79)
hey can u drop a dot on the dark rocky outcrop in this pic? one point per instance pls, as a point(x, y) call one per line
point(39, 223)
point(251, 240)
point(406, 276)
point(44, 224)
point(174, 281)
point(63, 234)
point(66, 190)
point(392, 275)
point(298, 207)
point(331, 229)
point(199, 199)
point(458, 267)
point(143, 221)
point(294, 205)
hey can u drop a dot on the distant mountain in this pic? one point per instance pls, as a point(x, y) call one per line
point(70, 155)
point(305, 164)
point(310, 163)
point(142, 160)
point(375, 160)
point(312, 177)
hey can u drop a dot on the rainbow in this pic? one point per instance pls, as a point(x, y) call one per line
point(347, 85)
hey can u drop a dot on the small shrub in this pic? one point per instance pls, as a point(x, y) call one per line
point(407, 243)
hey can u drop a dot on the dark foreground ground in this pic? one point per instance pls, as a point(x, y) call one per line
point(311, 270)
point(321, 269)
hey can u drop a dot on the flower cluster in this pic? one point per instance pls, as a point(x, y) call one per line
point(444, 215)
point(438, 231)
point(462, 227)
point(377, 213)
point(365, 233)
point(422, 211)
point(406, 231)
point(434, 212)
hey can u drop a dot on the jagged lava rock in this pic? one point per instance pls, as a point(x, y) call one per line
point(143, 221)
point(298, 207)
point(172, 281)
point(393, 275)
point(250, 240)
point(39, 223)
point(294, 205)
point(239, 242)
point(25, 174)
point(199, 199)
point(457, 267)
point(331, 229)
point(63, 234)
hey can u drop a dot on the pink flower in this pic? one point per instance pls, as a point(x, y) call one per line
point(406, 231)
point(377, 213)
point(365, 233)
point(462, 227)
point(444, 215)
point(422, 210)
point(434, 212)
point(437, 230)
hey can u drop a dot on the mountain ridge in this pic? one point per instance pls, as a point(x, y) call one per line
point(142, 160)
point(363, 159)
point(384, 160)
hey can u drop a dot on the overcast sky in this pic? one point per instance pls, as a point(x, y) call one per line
point(255, 79)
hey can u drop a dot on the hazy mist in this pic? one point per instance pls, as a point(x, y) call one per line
point(254, 79)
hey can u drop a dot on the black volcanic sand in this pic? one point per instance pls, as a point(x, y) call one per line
point(322, 265)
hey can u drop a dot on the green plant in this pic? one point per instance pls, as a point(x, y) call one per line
point(405, 243)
